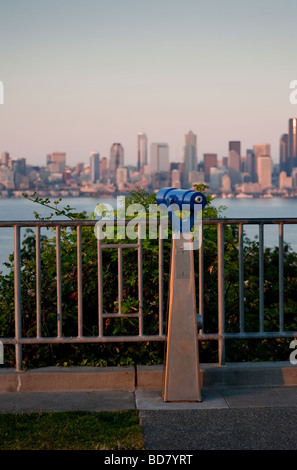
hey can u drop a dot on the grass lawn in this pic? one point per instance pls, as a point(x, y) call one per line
point(74, 430)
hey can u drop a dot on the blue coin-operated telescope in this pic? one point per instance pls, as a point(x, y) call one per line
point(182, 373)
point(187, 200)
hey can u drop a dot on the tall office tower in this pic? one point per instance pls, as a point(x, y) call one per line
point(4, 158)
point(234, 167)
point(283, 153)
point(250, 165)
point(225, 162)
point(175, 179)
point(94, 167)
point(264, 171)
point(141, 150)
point(226, 183)
point(116, 159)
point(190, 154)
point(159, 158)
point(56, 162)
point(121, 177)
point(292, 144)
point(210, 160)
point(260, 150)
point(234, 160)
point(235, 146)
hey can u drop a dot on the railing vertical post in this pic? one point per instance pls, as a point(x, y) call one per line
point(59, 281)
point(161, 283)
point(261, 276)
point(79, 283)
point(201, 276)
point(17, 298)
point(100, 285)
point(120, 279)
point(140, 281)
point(221, 294)
point(38, 282)
point(241, 279)
point(281, 277)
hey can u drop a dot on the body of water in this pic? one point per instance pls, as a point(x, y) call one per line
point(23, 209)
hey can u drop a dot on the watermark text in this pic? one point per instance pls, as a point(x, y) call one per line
point(293, 94)
point(136, 221)
point(293, 355)
point(1, 93)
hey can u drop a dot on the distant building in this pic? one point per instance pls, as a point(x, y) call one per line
point(94, 167)
point(4, 158)
point(235, 146)
point(196, 177)
point(283, 154)
point(284, 180)
point(261, 149)
point(234, 160)
point(141, 150)
point(292, 144)
point(226, 183)
point(121, 177)
point(216, 178)
point(264, 170)
point(190, 155)
point(159, 158)
point(210, 160)
point(250, 165)
point(234, 167)
point(175, 179)
point(56, 162)
point(116, 159)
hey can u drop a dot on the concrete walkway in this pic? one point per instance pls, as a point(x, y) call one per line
point(237, 411)
point(254, 418)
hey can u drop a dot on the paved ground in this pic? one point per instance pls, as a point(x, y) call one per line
point(263, 418)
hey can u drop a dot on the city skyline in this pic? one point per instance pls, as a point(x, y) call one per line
point(250, 171)
point(80, 76)
point(287, 145)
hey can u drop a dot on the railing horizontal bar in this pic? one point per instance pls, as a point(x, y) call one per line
point(92, 223)
point(256, 221)
point(120, 245)
point(120, 315)
point(262, 334)
point(115, 339)
point(88, 339)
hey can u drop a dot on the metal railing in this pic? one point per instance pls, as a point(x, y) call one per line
point(221, 335)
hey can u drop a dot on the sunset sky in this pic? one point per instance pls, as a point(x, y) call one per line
point(80, 75)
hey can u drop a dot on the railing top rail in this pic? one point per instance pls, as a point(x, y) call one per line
point(75, 223)
point(251, 221)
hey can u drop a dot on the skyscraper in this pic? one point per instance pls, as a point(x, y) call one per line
point(250, 166)
point(264, 171)
point(190, 154)
point(159, 158)
point(116, 159)
point(94, 167)
point(4, 158)
point(56, 162)
point(210, 160)
point(283, 154)
point(234, 160)
point(236, 146)
point(141, 150)
point(260, 150)
point(292, 144)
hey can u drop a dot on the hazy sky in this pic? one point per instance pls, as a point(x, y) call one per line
point(80, 75)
